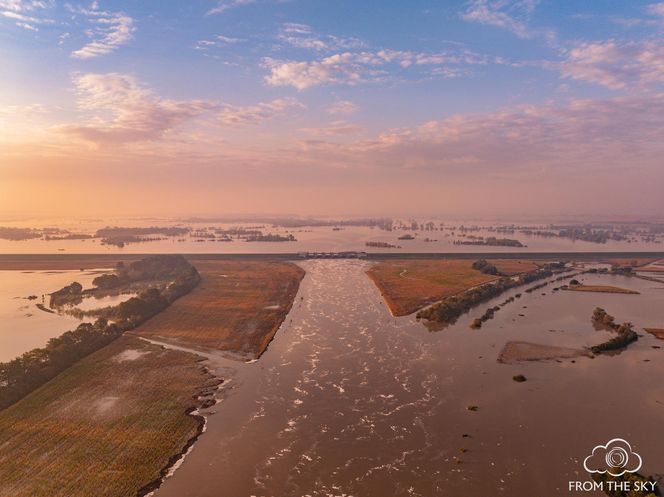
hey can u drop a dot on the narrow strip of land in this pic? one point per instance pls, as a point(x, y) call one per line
point(600, 289)
point(90, 261)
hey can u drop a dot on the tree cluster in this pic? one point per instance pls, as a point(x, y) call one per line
point(449, 309)
point(26, 373)
point(485, 267)
point(625, 333)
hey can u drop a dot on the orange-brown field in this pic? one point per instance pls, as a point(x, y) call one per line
point(238, 307)
point(106, 426)
point(408, 285)
point(511, 267)
point(631, 262)
point(601, 289)
point(657, 332)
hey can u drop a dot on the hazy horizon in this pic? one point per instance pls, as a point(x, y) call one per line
point(509, 109)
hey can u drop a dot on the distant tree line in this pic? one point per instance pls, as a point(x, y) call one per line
point(18, 234)
point(491, 241)
point(28, 372)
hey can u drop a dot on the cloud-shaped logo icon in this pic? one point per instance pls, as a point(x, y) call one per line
point(615, 458)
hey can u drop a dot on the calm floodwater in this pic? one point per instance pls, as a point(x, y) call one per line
point(324, 239)
point(23, 326)
point(349, 401)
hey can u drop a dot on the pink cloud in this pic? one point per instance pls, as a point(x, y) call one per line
point(616, 65)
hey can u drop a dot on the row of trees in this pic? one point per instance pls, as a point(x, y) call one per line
point(157, 267)
point(491, 241)
point(449, 309)
point(26, 373)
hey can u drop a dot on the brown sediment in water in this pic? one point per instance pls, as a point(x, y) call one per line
point(527, 351)
point(656, 332)
point(600, 289)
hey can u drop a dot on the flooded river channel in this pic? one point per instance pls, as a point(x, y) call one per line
point(350, 401)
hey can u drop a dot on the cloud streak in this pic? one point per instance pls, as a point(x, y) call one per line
point(303, 36)
point(511, 15)
point(232, 115)
point(118, 109)
point(224, 5)
point(342, 107)
point(111, 30)
point(353, 68)
point(616, 65)
point(26, 14)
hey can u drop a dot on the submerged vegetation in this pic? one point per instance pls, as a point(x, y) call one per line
point(449, 309)
point(491, 241)
point(18, 234)
point(625, 332)
point(381, 245)
point(120, 236)
point(488, 314)
point(271, 238)
point(34, 368)
point(67, 295)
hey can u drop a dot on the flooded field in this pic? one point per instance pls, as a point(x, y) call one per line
point(350, 401)
point(327, 239)
point(23, 325)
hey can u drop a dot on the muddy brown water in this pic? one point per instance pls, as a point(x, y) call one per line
point(350, 401)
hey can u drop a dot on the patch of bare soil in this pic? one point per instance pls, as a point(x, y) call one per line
point(527, 351)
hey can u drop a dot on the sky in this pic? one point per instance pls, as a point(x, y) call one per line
point(479, 108)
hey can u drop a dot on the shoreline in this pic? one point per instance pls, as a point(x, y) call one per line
point(277, 326)
point(36, 262)
point(203, 396)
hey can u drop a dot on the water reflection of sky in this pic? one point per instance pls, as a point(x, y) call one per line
point(325, 239)
point(22, 325)
point(91, 302)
